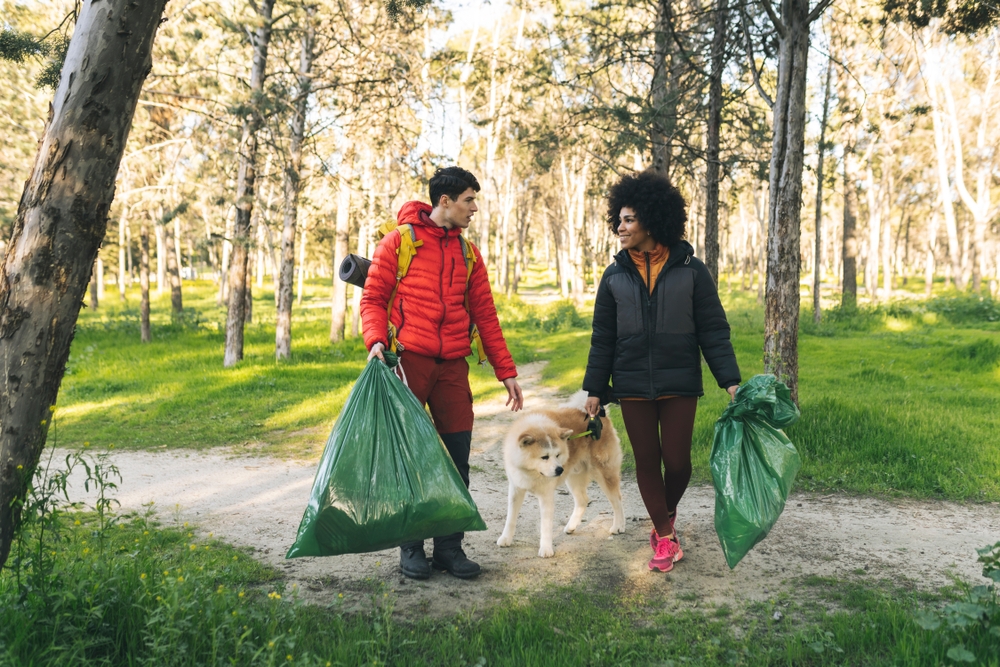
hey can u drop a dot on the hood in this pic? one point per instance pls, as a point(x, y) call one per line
point(414, 213)
point(418, 214)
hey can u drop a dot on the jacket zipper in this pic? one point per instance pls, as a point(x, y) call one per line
point(649, 326)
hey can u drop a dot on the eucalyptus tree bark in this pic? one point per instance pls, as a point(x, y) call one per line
point(781, 303)
point(293, 183)
point(245, 189)
point(61, 220)
point(849, 254)
point(821, 150)
point(338, 312)
point(146, 333)
point(712, 138)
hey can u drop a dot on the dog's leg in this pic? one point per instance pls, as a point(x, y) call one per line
point(578, 487)
point(611, 484)
point(547, 505)
point(515, 498)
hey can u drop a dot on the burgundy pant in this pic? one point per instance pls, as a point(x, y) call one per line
point(444, 387)
point(660, 432)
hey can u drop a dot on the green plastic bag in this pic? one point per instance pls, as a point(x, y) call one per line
point(385, 477)
point(753, 464)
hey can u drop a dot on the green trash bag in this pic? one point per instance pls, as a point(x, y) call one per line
point(753, 464)
point(385, 477)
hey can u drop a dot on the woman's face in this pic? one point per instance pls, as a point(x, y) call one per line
point(631, 233)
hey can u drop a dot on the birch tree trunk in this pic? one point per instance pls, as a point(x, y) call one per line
point(293, 185)
point(146, 333)
point(172, 265)
point(122, 245)
point(781, 303)
point(61, 221)
point(338, 314)
point(245, 191)
point(849, 254)
point(712, 139)
point(821, 150)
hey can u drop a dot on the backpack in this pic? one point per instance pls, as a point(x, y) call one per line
point(408, 245)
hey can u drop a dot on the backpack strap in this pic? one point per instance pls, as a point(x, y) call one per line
point(469, 252)
point(407, 250)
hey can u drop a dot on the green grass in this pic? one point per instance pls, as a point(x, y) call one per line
point(138, 593)
point(900, 400)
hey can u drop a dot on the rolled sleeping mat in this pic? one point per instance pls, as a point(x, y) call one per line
point(354, 270)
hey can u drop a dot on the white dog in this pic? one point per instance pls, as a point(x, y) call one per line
point(540, 453)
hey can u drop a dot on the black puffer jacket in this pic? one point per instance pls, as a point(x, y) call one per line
point(649, 344)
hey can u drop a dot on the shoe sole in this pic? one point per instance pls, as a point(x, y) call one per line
point(656, 568)
point(410, 574)
point(442, 568)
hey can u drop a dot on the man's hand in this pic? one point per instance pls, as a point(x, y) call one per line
point(514, 394)
point(732, 392)
point(376, 351)
point(592, 406)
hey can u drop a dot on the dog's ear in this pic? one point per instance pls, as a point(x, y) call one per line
point(565, 434)
point(526, 439)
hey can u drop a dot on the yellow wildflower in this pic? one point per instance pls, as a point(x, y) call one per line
point(76, 523)
point(180, 580)
point(20, 467)
point(143, 576)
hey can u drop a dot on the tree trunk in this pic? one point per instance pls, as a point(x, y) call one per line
point(849, 255)
point(122, 246)
point(818, 246)
point(661, 96)
point(293, 183)
point(161, 256)
point(302, 264)
point(61, 221)
point(245, 191)
point(173, 276)
point(338, 314)
point(94, 297)
point(145, 332)
point(781, 303)
point(712, 139)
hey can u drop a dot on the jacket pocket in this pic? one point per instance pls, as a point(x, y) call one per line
point(628, 301)
point(675, 302)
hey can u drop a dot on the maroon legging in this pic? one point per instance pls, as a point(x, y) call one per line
point(661, 431)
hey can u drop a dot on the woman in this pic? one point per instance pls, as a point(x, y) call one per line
point(657, 307)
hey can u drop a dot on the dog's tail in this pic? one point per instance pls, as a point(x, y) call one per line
point(577, 401)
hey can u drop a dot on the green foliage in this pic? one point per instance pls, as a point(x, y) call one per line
point(970, 626)
point(16, 46)
point(558, 316)
point(965, 17)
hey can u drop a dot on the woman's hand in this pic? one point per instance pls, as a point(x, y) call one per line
point(732, 392)
point(592, 406)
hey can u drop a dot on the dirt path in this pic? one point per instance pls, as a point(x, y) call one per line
point(258, 502)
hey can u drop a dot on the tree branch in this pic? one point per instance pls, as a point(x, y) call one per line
point(778, 25)
point(817, 10)
point(753, 61)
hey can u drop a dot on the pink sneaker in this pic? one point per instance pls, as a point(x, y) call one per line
point(654, 538)
point(663, 557)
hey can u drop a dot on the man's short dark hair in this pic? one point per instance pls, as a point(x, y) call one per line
point(451, 181)
point(659, 206)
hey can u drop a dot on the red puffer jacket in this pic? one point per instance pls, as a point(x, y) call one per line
point(429, 308)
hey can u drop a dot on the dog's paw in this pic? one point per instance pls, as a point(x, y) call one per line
point(617, 530)
point(505, 541)
point(546, 551)
point(570, 528)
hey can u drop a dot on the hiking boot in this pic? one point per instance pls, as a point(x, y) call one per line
point(449, 557)
point(663, 555)
point(413, 561)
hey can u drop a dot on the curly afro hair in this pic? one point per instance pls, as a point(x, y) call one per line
point(658, 205)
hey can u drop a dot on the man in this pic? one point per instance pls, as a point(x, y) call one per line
point(443, 293)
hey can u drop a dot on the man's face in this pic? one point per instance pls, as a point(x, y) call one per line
point(459, 212)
